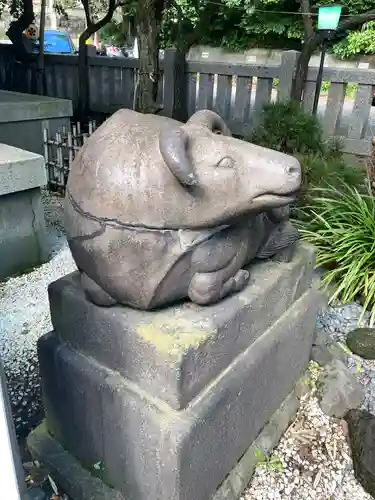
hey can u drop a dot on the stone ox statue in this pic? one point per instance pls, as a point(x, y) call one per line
point(157, 210)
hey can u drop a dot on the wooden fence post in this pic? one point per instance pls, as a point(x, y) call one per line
point(174, 101)
point(287, 73)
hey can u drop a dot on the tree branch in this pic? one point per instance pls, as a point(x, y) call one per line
point(308, 25)
point(355, 21)
point(86, 8)
point(352, 23)
point(204, 18)
point(312, 43)
point(112, 6)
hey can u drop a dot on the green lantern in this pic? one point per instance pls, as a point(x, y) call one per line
point(329, 17)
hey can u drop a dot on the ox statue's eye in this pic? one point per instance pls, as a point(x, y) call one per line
point(226, 162)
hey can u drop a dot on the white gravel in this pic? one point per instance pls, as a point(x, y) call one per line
point(24, 317)
point(313, 456)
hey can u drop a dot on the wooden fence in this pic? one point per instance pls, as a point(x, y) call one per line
point(237, 91)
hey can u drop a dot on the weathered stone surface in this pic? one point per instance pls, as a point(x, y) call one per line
point(174, 353)
point(158, 210)
point(361, 341)
point(23, 118)
point(35, 494)
point(361, 425)
point(23, 243)
point(321, 354)
point(20, 170)
point(22, 226)
point(239, 477)
point(339, 390)
point(72, 474)
point(148, 449)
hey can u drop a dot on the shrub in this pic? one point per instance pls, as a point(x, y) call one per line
point(287, 128)
point(321, 171)
point(340, 223)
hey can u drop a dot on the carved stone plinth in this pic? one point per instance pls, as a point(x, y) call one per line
point(168, 402)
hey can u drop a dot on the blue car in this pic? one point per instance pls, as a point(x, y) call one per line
point(58, 42)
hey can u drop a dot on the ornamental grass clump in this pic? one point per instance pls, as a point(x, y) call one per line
point(340, 223)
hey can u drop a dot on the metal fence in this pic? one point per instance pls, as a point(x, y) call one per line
point(60, 151)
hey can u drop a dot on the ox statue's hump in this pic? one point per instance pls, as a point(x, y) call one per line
point(119, 173)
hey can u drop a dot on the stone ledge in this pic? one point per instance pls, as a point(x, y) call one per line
point(20, 170)
point(70, 475)
point(173, 353)
point(19, 107)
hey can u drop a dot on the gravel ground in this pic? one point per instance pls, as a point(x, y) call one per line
point(24, 317)
point(312, 460)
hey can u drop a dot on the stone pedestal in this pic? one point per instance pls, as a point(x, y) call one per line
point(164, 404)
point(22, 226)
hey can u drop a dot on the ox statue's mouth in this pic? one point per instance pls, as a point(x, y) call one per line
point(277, 199)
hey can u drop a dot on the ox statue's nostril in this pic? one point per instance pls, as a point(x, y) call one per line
point(293, 170)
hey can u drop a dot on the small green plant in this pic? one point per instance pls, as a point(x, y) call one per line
point(340, 223)
point(350, 90)
point(287, 128)
point(265, 462)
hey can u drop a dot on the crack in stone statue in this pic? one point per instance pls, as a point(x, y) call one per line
point(157, 211)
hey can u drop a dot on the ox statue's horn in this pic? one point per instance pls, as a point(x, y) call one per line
point(173, 148)
point(211, 120)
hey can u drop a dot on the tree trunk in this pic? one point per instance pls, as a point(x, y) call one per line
point(303, 67)
point(127, 27)
point(83, 69)
point(83, 76)
point(16, 29)
point(148, 20)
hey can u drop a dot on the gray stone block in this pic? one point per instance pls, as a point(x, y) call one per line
point(20, 170)
point(71, 475)
point(22, 226)
point(239, 477)
point(175, 352)
point(339, 390)
point(18, 107)
point(23, 242)
point(23, 117)
point(148, 449)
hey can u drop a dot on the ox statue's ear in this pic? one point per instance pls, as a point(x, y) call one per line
point(173, 145)
point(211, 120)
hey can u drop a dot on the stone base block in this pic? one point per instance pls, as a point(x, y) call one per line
point(22, 232)
point(148, 450)
point(81, 484)
point(22, 227)
point(175, 352)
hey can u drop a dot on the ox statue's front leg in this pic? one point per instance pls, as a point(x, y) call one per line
point(218, 266)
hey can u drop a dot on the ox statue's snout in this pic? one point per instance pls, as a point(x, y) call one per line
point(293, 170)
point(292, 176)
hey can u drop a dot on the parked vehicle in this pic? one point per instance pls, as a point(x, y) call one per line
point(113, 51)
point(55, 42)
point(58, 42)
